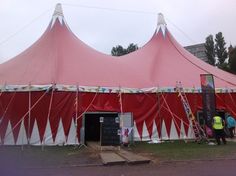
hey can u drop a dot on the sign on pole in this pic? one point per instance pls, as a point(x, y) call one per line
point(208, 98)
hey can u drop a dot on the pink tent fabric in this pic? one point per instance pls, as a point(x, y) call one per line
point(60, 57)
point(55, 117)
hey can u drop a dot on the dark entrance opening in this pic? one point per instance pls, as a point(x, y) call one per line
point(92, 125)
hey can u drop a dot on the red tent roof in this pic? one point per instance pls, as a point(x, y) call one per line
point(60, 57)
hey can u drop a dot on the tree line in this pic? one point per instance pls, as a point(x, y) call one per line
point(218, 55)
point(120, 50)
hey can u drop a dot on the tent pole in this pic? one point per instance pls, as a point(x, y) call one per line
point(76, 111)
point(28, 131)
point(172, 115)
point(120, 100)
point(159, 107)
point(82, 138)
point(81, 144)
point(121, 110)
point(1, 118)
point(87, 108)
point(159, 110)
point(23, 117)
point(49, 110)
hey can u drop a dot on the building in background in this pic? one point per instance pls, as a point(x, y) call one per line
point(198, 50)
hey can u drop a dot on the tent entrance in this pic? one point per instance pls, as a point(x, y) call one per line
point(93, 126)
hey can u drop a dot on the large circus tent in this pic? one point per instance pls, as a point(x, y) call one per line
point(47, 90)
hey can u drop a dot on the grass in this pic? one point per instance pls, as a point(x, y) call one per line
point(179, 150)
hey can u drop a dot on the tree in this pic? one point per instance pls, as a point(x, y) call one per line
point(210, 50)
point(232, 59)
point(120, 51)
point(220, 50)
point(132, 47)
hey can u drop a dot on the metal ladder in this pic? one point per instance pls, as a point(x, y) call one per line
point(197, 129)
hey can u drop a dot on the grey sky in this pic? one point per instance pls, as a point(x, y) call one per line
point(24, 21)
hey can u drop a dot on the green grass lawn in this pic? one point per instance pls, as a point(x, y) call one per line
point(179, 150)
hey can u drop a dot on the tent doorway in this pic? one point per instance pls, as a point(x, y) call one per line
point(92, 125)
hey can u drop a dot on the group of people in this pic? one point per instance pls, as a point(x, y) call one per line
point(220, 126)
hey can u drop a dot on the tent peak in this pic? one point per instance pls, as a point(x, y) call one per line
point(58, 15)
point(161, 19)
point(161, 24)
point(58, 10)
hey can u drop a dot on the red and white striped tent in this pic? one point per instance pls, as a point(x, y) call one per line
point(46, 90)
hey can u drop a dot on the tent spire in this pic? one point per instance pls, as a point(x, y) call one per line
point(58, 14)
point(161, 24)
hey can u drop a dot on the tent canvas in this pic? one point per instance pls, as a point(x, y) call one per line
point(59, 78)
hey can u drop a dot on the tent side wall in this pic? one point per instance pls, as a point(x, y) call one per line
point(49, 118)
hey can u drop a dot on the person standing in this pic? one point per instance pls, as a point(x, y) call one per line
point(231, 123)
point(218, 127)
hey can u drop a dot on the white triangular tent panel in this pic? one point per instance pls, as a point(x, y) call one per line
point(47, 139)
point(136, 134)
point(173, 131)
point(182, 131)
point(60, 136)
point(164, 135)
point(35, 138)
point(155, 135)
point(191, 134)
point(22, 137)
point(145, 133)
point(9, 139)
point(72, 138)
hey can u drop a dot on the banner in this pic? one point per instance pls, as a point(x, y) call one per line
point(208, 98)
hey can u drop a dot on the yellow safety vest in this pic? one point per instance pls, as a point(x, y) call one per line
point(217, 124)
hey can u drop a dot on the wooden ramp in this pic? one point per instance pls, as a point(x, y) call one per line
point(111, 158)
point(132, 158)
point(111, 155)
point(98, 147)
point(122, 157)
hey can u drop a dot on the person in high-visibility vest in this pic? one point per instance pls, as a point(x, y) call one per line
point(218, 127)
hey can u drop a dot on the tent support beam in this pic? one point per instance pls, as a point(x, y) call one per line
point(81, 144)
point(28, 131)
point(76, 111)
point(172, 114)
point(159, 110)
point(48, 116)
point(120, 100)
point(23, 117)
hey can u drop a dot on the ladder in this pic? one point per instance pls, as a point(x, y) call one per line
point(197, 129)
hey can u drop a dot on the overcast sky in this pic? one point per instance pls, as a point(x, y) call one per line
point(103, 24)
